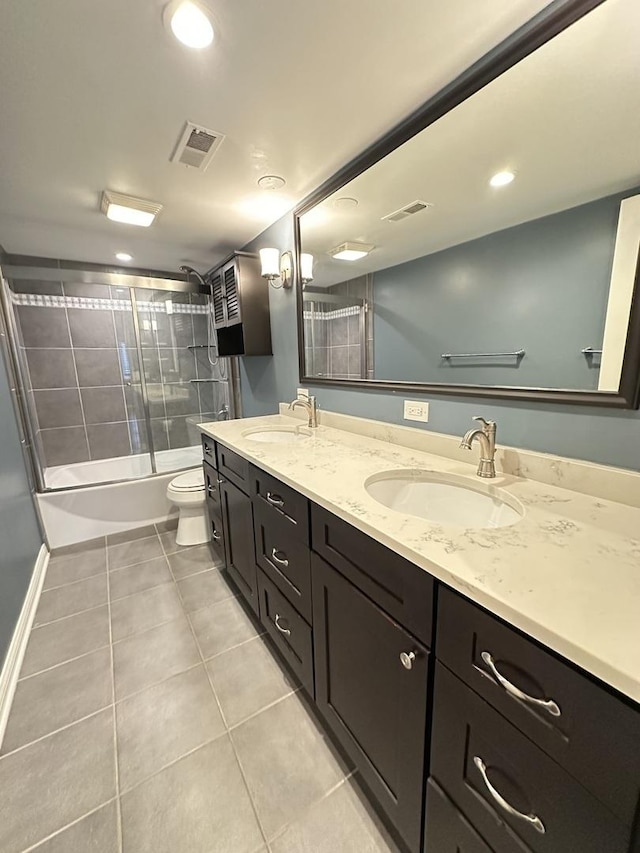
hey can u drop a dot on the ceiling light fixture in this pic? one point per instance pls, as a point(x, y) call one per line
point(351, 251)
point(190, 23)
point(271, 182)
point(124, 256)
point(306, 267)
point(501, 179)
point(129, 210)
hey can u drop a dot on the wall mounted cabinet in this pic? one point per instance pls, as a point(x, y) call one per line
point(241, 307)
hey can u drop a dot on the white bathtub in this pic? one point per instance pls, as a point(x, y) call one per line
point(86, 511)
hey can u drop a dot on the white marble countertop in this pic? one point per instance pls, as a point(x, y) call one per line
point(567, 574)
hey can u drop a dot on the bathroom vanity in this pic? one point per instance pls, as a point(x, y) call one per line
point(478, 679)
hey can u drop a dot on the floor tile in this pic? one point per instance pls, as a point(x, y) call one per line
point(85, 547)
point(165, 722)
point(339, 823)
point(287, 761)
point(188, 561)
point(168, 539)
point(201, 590)
point(68, 638)
point(199, 805)
point(247, 679)
point(222, 626)
point(53, 782)
point(131, 535)
point(144, 659)
point(75, 567)
point(167, 525)
point(96, 833)
point(73, 598)
point(136, 551)
point(144, 610)
point(139, 577)
point(58, 697)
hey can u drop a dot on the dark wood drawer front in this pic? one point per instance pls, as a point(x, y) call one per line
point(281, 500)
point(592, 734)
point(237, 516)
point(212, 488)
point(375, 704)
point(399, 587)
point(217, 538)
point(473, 747)
point(233, 467)
point(447, 830)
point(283, 557)
point(209, 451)
point(287, 629)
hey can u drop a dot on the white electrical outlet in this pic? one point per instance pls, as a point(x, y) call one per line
point(303, 392)
point(415, 411)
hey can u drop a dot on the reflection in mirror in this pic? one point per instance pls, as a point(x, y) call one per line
point(499, 245)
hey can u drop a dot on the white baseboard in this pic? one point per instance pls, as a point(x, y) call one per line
point(17, 647)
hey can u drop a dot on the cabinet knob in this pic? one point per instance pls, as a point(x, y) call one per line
point(407, 659)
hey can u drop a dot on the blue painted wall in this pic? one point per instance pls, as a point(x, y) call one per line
point(541, 286)
point(597, 434)
point(20, 537)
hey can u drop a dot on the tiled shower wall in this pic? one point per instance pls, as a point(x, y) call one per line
point(83, 372)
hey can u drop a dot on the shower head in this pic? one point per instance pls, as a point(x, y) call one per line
point(190, 271)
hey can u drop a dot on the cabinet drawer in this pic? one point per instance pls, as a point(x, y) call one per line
point(517, 797)
point(282, 500)
point(447, 830)
point(217, 538)
point(209, 451)
point(399, 587)
point(233, 467)
point(212, 488)
point(372, 688)
point(283, 557)
point(591, 733)
point(287, 629)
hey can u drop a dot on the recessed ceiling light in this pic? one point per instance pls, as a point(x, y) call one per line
point(345, 202)
point(124, 256)
point(190, 23)
point(271, 182)
point(350, 251)
point(129, 210)
point(501, 179)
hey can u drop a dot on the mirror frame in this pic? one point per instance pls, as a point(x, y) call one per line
point(544, 26)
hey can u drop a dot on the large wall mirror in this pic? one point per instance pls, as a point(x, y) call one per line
point(494, 251)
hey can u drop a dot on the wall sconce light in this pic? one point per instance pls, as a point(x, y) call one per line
point(276, 266)
point(306, 267)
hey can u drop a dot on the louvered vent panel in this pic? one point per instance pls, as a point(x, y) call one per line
point(218, 298)
point(407, 210)
point(196, 146)
point(231, 290)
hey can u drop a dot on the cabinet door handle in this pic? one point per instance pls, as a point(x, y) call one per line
point(281, 561)
point(531, 819)
point(215, 535)
point(407, 659)
point(548, 704)
point(207, 450)
point(274, 500)
point(211, 490)
point(276, 622)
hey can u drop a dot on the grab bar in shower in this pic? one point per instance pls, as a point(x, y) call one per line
point(198, 346)
point(517, 354)
point(198, 381)
point(591, 351)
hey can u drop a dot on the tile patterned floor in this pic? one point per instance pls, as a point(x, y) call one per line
point(151, 716)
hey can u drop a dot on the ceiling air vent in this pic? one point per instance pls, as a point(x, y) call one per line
point(407, 210)
point(196, 146)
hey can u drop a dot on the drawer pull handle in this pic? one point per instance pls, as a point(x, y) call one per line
point(276, 622)
point(207, 450)
point(212, 491)
point(281, 561)
point(216, 536)
point(532, 819)
point(407, 659)
point(548, 704)
point(274, 500)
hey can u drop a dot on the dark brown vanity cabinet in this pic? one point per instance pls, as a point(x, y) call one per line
point(237, 518)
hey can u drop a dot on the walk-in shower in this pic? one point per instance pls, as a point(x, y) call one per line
point(115, 371)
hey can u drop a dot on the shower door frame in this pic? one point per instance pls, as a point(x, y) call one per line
point(130, 280)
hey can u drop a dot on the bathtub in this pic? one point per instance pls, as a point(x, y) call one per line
point(92, 505)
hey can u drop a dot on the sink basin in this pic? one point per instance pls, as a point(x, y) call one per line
point(445, 499)
point(278, 435)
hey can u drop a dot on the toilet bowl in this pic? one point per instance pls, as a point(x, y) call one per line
point(186, 491)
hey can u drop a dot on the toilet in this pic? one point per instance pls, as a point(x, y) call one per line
point(186, 491)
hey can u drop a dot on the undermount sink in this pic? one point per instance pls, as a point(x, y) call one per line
point(277, 435)
point(445, 499)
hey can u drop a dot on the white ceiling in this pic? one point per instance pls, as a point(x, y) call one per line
point(566, 120)
point(95, 95)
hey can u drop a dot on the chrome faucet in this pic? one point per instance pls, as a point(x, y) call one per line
point(308, 403)
point(487, 440)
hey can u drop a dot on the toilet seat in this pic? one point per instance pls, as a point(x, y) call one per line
point(190, 481)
